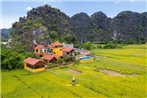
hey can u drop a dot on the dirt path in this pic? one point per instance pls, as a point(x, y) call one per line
point(114, 73)
point(72, 71)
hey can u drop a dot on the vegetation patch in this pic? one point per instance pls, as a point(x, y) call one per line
point(64, 67)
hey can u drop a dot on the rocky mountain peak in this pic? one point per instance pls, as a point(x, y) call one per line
point(100, 20)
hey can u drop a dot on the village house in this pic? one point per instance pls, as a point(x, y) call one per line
point(50, 58)
point(40, 50)
point(57, 48)
point(34, 65)
point(68, 51)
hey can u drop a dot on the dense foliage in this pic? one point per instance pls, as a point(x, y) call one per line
point(13, 59)
point(110, 45)
point(68, 38)
point(87, 45)
point(67, 58)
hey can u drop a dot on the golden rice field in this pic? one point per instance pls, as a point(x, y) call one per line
point(126, 77)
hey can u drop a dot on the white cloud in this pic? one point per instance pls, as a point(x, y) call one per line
point(29, 8)
point(131, 0)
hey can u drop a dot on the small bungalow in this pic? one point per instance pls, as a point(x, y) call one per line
point(67, 51)
point(49, 58)
point(34, 65)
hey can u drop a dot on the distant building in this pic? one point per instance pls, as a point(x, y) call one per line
point(85, 52)
point(68, 45)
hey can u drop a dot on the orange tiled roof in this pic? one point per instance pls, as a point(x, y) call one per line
point(56, 44)
point(67, 49)
point(56, 56)
point(39, 46)
point(49, 46)
point(48, 57)
point(38, 53)
point(32, 61)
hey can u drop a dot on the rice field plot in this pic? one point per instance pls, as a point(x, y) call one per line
point(128, 59)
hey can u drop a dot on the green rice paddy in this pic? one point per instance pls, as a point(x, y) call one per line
point(131, 60)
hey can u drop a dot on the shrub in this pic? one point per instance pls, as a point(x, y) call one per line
point(76, 62)
point(59, 60)
point(99, 46)
point(87, 45)
point(64, 62)
point(111, 45)
point(68, 38)
point(67, 58)
point(50, 65)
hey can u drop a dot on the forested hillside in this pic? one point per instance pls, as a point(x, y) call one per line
point(45, 24)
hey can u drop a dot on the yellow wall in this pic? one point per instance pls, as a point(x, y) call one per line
point(38, 50)
point(57, 51)
point(85, 61)
point(33, 70)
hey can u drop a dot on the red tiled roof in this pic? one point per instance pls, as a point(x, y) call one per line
point(32, 61)
point(67, 49)
point(48, 57)
point(38, 53)
point(49, 46)
point(39, 46)
point(56, 44)
point(56, 56)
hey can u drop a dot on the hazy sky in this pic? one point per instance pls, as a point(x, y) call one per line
point(11, 10)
